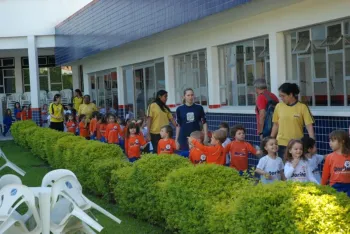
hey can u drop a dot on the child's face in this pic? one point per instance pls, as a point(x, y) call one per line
point(111, 120)
point(83, 119)
point(119, 121)
point(17, 105)
point(334, 144)
point(70, 117)
point(214, 141)
point(296, 151)
point(132, 130)
point(240, 135)
point(163, 133)
point(271, 146)
point(312, 150)
point(224, 129)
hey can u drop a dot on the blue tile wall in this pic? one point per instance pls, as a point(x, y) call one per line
point(323, 126)
point(110, 23)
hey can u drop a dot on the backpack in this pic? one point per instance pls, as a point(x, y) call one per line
point(270, 108)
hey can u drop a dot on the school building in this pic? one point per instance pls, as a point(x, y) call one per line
point(122, 51)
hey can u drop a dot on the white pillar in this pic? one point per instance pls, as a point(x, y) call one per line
point(213, 77)
point(170, 80)
point(277, 60)
point(18, 74)
point(75, 77)
point(33, 72)
point(87, 84)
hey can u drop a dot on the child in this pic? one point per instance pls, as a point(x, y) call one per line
point(239, 149)
point(92, 125)
point(336, 169)
point(225, 127)
point(24, 113)
point(17, 111)
point(124, 129)
point(98, 123)
point(196, 155)
point(113, 130)
point(297, 168)
point(29, 112)
point(314, 159)
point(166, 145)
point(215, 153)
point(7, 121)
point(83, 127)
point(270, 167)
point(102, 129)
point(44, 115)
point(134, 141)
point(71, 124)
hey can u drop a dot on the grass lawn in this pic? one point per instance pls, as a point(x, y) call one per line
point(36, 169)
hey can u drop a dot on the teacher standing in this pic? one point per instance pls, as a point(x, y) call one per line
point(189, 116)
point(56, 114)
point(87, 107)
point(158, 115)
point(290, 117)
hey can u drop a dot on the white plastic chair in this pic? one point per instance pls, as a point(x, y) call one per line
point(25, 99)
point(43, 97)
point(12, 99)
point(12, 197)
point(66, 96)
point(51, 177)
point(10, 164)
point(50, 95)
point(9, 179)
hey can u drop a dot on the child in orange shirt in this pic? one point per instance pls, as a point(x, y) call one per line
point(83, 127)
point(101, 131)
point(24, 113)
point(92, 125)
point(113, 130)
point(166, 145)
point(134, 142)
point(71, 124)
point(239, 149)
point(215, 153)
point(196, 155)
point(336, 168)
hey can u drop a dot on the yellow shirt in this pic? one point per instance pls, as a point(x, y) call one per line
point(77, 101)
point(291, 121)
point(57, 111)
point(159, 118)
point(87, 109)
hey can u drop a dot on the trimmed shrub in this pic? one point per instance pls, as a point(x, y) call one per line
point(137, 191)
point(189, 194)
point(283, 207)
point(18, 127)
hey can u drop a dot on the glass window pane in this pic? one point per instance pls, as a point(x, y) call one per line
point(42, 61)
point(26, 78)
point(305, 80)
point(348, 91)
point(9, 73)
point(347, 62)
point(320, 90)
point(150, 85)
point(241, 96)
point(318, 35)
point(334, 36)
point(67, 80)
point(249, 52)
point(43, 71)
point(1, 89)
point(160, 75)
point(26, 88)
point(10, 85)
point(44, 83)
point(336, 79)
point(56, 87)
point(1, 78)
point(260, 58)
point(129, 81)
point(251, 95)
point(320, 63)
point(55, 75)
point(250, 75)
point(230, 78)
point(240, 65)
point(8, 62)
point(203, 78)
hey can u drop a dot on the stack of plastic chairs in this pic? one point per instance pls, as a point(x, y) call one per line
point(66, 95)
point(43, 97)
point(10, 164)
point(50, 96)
point(12, 99)
point(25, 99)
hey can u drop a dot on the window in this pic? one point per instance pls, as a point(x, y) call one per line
point(191, 72)
point(239, 65)
point(320, 67)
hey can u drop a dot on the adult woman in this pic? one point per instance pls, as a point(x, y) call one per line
point(78, 99)
point(56, 114)
point(290, 116)
point(87, 107)
point(189, 116)
point(158, 115)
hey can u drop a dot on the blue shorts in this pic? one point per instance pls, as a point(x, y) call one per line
point(103, 139)
point(183, 153)
point(345, 188)
point(133, 159)
point(93, 137)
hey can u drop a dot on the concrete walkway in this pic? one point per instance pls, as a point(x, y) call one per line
point(8, 137)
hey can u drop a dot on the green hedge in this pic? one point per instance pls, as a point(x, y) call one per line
point(137, 190)
point(169, 191)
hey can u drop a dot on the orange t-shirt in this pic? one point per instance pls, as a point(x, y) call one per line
point(239, 151)
point(71, 126)
point(166, 146)
point(84, 132)
point(101, 130)
point(336, 169)
point(24, 115)
point(195, 155)
point(215, 154)
point(133, 144)
point(113, 131)
point(92, 126)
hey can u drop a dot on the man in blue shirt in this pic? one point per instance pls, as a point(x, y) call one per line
point(189, 117)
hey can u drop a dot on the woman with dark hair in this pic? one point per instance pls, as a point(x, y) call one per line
point(290, 117)
point(158, 115)
point(189, 118)
point(78, 99)
point(56, 114)
point(87, 108)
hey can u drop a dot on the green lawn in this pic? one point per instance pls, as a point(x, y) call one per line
point(36, 169)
